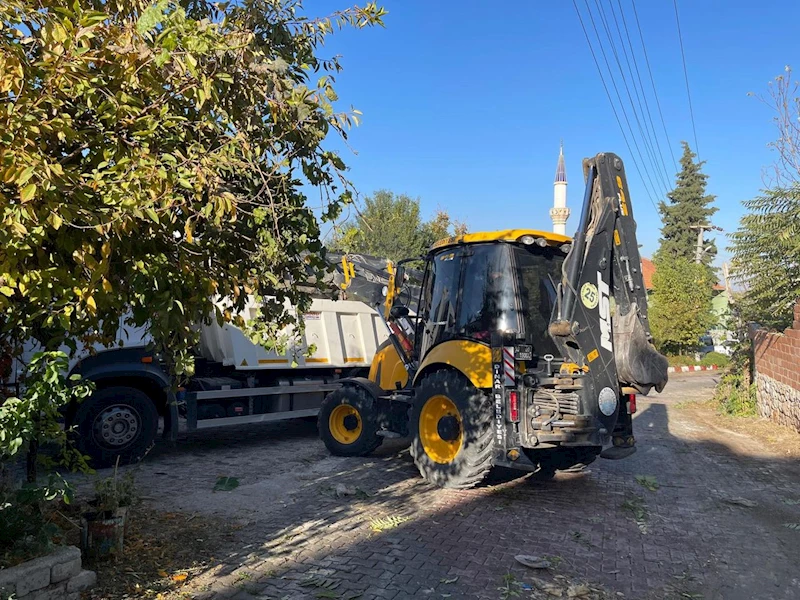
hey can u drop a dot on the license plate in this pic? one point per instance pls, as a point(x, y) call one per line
point(523, 353)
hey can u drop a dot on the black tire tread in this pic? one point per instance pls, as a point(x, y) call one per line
point(92, 406)
point(474, 461)
point(361, 400)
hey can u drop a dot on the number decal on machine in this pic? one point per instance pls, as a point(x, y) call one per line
point(589, 295)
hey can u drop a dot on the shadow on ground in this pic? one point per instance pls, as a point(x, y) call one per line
point(715, 527)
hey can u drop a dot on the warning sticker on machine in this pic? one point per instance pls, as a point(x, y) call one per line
point(589, 295)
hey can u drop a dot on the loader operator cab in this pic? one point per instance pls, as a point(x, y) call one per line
point(472, 290)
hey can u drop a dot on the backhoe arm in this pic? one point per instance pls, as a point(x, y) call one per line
point(612, 338)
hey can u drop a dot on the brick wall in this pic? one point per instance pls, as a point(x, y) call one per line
point(777, 371)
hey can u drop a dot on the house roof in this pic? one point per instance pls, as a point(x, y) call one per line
point(648, 270)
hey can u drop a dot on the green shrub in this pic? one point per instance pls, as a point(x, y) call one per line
point(27, 423)
point(681, 360)
point(715, 358)
point(736, 395)
point(26, 530)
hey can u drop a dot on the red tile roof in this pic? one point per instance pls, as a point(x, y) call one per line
point(648, 270)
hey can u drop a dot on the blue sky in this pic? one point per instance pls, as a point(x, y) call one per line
point(465, 102)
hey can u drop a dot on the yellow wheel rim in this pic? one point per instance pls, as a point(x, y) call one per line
point(440, 417)
point(345, 424)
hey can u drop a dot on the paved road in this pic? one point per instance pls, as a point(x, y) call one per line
point(713, 529)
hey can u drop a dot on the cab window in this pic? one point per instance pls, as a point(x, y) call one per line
point(440, 295)
point(538, 272)
point(488, 303)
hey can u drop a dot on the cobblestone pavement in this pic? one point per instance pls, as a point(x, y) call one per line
point(714, 528)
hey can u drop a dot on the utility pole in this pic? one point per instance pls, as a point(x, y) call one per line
point(701, 229)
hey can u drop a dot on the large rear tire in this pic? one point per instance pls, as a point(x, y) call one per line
point(451, 431)
point(116, 423)
point(348, 422)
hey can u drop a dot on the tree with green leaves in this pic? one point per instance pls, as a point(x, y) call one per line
point(679, 307)
point(689, 207)
point(153, 157)
point(766, 246)
point(391, 226)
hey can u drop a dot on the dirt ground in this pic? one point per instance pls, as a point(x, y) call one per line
point(709, 507)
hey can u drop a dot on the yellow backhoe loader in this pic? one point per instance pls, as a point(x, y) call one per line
point(525, 349)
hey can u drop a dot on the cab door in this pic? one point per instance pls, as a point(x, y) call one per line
point(439, 300)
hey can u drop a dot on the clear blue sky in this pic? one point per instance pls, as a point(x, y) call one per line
point(465, 102)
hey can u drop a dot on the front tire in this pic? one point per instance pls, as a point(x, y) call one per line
point(116, 423)
point(451, 431)
point(347, 422)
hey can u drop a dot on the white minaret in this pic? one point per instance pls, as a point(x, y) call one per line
point(560, 213)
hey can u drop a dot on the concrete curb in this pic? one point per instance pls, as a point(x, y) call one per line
point(691, 368)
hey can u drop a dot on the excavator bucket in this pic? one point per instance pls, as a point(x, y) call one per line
point(639, 364)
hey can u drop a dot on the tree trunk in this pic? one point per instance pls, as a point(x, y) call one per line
point(31, 460)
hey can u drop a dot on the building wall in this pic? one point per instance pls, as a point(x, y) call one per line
point(777, 374)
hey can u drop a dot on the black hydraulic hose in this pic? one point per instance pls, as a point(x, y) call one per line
point(578, 248)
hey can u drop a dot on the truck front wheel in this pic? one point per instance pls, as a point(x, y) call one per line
point(116, 423)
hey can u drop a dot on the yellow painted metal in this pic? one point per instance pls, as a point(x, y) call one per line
point(623, 203)
point(504, 235)
point(473, 359)
point(572, 369)
point(391, 292)
point(337, 427)
point(387, 369)
point(439, 450)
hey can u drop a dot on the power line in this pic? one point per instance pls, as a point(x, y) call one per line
point(653, 83)
point(610, 101)
point(648, 145)
point(686, 78)
point(621, 104)
point(641, 86)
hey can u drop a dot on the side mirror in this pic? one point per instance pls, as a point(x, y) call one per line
point(399, 312)
point(399, 278)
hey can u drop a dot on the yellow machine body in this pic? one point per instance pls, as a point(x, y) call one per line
point(472, 359)
point(387, 370)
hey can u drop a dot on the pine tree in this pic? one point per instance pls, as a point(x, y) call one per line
point(688, 207)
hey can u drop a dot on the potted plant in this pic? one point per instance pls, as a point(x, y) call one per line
point(103, 527)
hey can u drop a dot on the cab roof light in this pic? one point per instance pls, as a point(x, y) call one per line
point(526, 239)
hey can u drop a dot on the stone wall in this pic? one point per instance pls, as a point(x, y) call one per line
point(56, 576)
point(778, 401)
point(777, 371)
